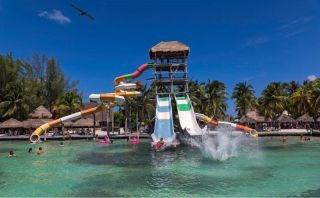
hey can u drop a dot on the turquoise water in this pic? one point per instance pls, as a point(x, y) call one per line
point(267, 167)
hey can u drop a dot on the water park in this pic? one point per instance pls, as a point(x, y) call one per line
point(177, 161)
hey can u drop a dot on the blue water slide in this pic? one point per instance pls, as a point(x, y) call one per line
point(164, 120)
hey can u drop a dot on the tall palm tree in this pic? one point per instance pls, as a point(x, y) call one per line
point(272, 101)
point(243, 94)
point(68, 103)
point(316, 98)
point(302, 99)
point(215, 102)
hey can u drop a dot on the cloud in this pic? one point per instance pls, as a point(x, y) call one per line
point(297, 22)
point(312, 77)
point(293, 33)
point(256, 42)
point(55, 15)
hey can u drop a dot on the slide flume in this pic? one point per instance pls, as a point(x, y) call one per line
point(112, 99)
point(164, 121)
point(187, 118)
point(133, 75)
point(213, 122)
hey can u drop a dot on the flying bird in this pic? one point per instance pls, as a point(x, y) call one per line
point(82, 12)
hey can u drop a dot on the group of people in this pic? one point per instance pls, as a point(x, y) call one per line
point(38, 152)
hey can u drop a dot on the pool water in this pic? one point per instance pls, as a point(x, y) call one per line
point(81, 168)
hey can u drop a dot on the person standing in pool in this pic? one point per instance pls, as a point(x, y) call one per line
point(40, 151)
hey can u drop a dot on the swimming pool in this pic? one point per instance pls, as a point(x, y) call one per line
point(80, 168)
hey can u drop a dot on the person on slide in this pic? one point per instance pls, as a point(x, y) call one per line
point(159, 144)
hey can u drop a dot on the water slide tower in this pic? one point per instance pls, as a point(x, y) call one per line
point(170, 67)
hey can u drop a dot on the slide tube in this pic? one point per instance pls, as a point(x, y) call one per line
point(133, 75)
point(35, 136)
point(213, 122)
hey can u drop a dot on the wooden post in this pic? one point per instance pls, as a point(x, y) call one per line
point(94, 126)
point(112, 121)
point(108, 113)
point(63, 135)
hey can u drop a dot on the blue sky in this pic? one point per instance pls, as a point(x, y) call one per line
point(230, 40)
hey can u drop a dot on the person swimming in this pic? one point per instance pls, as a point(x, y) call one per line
point(61, 144)
point(40, 151)
point(12, 154)
point(30, 149)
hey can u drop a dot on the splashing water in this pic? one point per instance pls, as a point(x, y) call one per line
point(223, 145)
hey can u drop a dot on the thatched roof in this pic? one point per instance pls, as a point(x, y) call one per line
point(169, 49)
point(253, 114)
point(245, 119)
point(283, 118)
point(305, 118)
point(99, 115)
point(11, 124)
point(41, 112)
point(84, 122)
point(34, 123)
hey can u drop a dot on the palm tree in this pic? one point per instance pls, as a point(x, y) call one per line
point(302, 99)
point(243, 94)
point(14, 103)
point(272, 101)
point(214, 103)
point(316, 98)
point(68, 103)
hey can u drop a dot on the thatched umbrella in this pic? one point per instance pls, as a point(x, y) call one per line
point(84, 122)
point(305, 118)
point(245, 119)
point(169, 49)
point(41, 112)
point(11, 124)
point(283, 118)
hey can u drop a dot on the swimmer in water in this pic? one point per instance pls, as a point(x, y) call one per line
point(12, 154)
point(40, 151)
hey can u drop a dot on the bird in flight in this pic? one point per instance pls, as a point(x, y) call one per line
point(82, 12)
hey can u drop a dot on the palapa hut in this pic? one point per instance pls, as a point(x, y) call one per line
point(305, 121)
point(284, 121)
point(41, 112)
point(102, 118)
point(11, 127)
point(255, 120)
point(38, 117)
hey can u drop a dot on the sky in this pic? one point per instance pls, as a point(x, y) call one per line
point(232, 41)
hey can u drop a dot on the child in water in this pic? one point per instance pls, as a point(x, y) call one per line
point(40, 151)
point(159, 144)
point(12, 154)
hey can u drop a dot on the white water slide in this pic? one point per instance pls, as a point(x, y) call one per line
point(164, 121)
point(187, 118)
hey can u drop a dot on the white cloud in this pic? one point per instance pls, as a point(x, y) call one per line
point(55, 15)
point(256, 41)
point(312, 77)
point(293, 33)
point(297, 22)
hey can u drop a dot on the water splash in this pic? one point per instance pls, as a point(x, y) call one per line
point(221, 144)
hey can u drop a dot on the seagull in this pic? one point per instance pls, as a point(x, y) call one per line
point(82, 12)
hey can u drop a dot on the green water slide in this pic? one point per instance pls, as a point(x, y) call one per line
point(187, 116)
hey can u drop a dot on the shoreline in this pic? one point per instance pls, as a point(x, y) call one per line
point(315, 133)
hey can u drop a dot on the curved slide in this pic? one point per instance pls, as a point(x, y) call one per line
point(164, 121)
point(112, 99)
point(187, 118)
point(133, 75)
point(213, 122)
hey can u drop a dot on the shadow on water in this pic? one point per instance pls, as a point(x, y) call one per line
point(311, 193)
